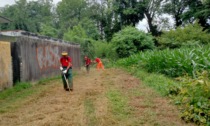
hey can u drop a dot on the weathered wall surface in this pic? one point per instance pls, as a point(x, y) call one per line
point(5, 65)
point(39, 58)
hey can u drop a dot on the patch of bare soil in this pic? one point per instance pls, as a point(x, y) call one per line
point(56, 107)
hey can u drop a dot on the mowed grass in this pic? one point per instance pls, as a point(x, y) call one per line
point(13, 97)
point(133, 102)
point(112, 97)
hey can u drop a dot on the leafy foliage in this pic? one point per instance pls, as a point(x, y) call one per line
point(198, 10)
point(78, 35)
point(173, 63)
point(129, 41)
point(192, 34)
point(194, 98)
point(48, 30)
point(104, 50)
point(129, 11)
point(28, 16)
point(75, 34)
point(176, 8)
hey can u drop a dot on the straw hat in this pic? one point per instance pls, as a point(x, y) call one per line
point(64, 53)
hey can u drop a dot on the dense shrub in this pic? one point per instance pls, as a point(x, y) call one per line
point(192, 34)
point(130, 40)
point(104, 50)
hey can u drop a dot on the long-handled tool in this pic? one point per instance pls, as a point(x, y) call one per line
point(64, 74)
point(66, 82)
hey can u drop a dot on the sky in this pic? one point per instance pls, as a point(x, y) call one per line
point(10, 2)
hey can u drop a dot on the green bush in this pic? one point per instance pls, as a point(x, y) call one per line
point(104, 50)
point(130, 40)
point(192, 34)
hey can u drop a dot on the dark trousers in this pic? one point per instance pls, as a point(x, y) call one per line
point(69, 78)
point(87, 68)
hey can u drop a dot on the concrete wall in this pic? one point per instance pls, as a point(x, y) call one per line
point(5, 65)
point(39, 58)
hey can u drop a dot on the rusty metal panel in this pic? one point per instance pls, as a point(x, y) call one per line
point(39, 58)
point(5, 65)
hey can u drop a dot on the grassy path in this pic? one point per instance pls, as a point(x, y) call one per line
point(101, 98)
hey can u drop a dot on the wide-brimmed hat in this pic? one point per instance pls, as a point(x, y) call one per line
point(64, 53)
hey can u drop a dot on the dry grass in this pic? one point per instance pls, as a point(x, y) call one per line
point(89, 104)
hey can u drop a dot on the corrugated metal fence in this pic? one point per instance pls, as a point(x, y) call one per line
point(38, 58)
point(34, 58)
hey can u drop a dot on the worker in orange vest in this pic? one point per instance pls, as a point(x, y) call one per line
point(99, 64)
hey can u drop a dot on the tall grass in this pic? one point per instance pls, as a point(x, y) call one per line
point(173, 63)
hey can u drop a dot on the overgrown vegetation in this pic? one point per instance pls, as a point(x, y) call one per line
point(130, 40)
point(191, 94)
point(173, 63)
point(190, 35)
point(194, 98)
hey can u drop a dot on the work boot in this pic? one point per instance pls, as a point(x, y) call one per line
point(67, 89)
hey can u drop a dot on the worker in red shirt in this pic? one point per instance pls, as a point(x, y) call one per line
point(87, 64)
point(66, 68)
point(99, 64)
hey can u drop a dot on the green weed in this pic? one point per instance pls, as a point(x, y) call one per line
point(119, 105)
point(90, 112)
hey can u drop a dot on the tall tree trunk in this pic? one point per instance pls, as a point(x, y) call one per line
point(152, 28)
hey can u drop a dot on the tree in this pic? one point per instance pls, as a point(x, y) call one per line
point(128, 12)
point(48, 30)
point(151, 13)
point(77, 34)
point(28, 16)
point(70, 12)
point(198, 11)
point(175, 8)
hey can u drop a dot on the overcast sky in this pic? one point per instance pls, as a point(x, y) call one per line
point(10, 2)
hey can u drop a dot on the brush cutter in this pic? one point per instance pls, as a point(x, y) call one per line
point(64, 74)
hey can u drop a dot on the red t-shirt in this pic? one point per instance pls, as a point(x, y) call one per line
point(98, 60)
point(65, 61)
point(87, 61)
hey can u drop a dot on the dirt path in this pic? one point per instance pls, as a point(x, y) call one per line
point(89, 104)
